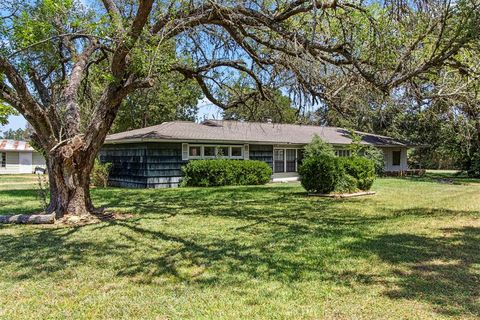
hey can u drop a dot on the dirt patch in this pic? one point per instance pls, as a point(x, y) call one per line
point(92, 218)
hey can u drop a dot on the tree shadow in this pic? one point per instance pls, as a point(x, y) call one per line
point(442, 271)
point(263, 242)
point(269, 234)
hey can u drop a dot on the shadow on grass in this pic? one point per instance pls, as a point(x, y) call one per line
point(458, 178)
point(442, 271)
point(270, 234)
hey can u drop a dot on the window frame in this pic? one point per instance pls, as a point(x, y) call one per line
point(231, 153)
point(285, 159)
point(195, 146)
point(343, 153)
point(216, 147)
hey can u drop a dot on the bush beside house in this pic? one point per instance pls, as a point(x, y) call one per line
point(361, 169)
point(323, 172)
point(223, 172)
point(320, 173)
point(100, 173)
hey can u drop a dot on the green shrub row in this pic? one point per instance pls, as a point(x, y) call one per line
point(223, 172)
point(326, 173)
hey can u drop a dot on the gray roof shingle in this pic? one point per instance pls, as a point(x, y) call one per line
point(251, 132)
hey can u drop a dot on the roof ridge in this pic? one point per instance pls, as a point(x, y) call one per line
point(276, 123)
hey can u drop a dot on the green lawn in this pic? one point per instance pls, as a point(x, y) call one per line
point(412, 251)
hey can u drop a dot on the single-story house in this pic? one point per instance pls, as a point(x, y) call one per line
point(152, 157)
point(19, 157)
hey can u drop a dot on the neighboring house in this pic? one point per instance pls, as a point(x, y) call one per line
point(152, 157)
point(19, 157)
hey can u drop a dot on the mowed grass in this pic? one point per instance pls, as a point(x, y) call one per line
point(410, 252)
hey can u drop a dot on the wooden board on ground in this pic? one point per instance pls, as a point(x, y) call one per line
point(342, 195)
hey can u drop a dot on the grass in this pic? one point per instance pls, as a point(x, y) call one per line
point(269, 252)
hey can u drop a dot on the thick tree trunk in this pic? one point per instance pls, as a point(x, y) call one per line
point(69, 180)
point(70, 184)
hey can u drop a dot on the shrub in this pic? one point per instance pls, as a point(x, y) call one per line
point(223, 172)
point(100, 172)
point(346, 184)
point(318, 147)
point(362, 169)
point(474, 165)
point(320, 173)
point(377, 156)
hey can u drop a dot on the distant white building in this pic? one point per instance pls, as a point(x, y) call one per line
point(19, 157)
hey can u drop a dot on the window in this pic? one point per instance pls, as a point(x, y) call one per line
point(208, 151)
point(236, 152)
point(4, 160)
point(342, 153)
point(211, 151)
point(285, 160)
point(195, 151)
point(222, 152)
point(291, 165)
point(396, 157)
point(279, 160)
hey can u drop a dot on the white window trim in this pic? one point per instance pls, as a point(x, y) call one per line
point(202, 151)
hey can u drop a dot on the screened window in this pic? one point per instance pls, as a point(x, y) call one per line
point(209, 151)
point(4, 160)
point(195, 151)
point(396, 157)
point(236, 151)
point(290, 160)
point(279, 160)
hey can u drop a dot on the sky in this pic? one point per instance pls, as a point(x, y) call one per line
point(206, 110)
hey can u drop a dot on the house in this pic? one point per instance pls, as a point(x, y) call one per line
point(19, 157)
point(152, 157)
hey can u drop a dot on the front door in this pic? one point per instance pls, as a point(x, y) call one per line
point(25, 162)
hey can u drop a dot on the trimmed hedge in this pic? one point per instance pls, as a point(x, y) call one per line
point(224, 172)
point(362, 169)
point(321, 173)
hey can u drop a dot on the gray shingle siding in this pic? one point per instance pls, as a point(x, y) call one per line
point(262, 153)
point(144, 165)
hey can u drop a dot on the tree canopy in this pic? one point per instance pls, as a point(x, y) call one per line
point(68, 67)
point(277, 108)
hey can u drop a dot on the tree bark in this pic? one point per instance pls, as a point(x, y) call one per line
point(69, 180)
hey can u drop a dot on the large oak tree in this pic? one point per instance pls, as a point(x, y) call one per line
point(50, 49)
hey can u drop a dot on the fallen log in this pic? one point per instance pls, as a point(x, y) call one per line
point(29, 218)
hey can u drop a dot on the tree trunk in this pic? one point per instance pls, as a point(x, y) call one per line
point(69, 180)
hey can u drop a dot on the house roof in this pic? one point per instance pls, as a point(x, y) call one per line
point(14, 145)
point(243, 132)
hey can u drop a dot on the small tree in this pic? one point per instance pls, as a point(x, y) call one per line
point(318, 147)
point(377, 157)
point(100, 172)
